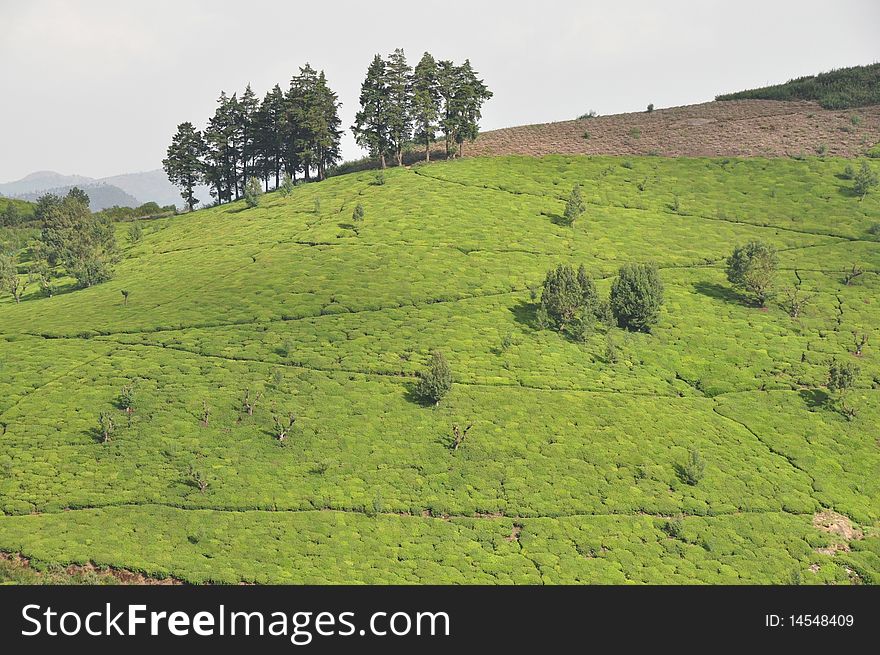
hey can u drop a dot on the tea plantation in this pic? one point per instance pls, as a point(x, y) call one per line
point(571, 472)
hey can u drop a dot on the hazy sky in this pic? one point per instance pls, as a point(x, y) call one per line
point(97, 87)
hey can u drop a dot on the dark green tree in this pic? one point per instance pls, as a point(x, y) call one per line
point(450, 107)
point(247, 126)
point(574, 206)
point(842, 377)
point(426, 102)
point(270, 135)
point(325, 125)
point(636, 296)
point(399, 83)
point(436, 381)
point(10, 280)
point(44, 203)
point(183, 162)
point(562, 296)
point(471, 94)
point(371, 129)
point(752, 267)
point(221, 159)
point(864, 180)
point(84, 243)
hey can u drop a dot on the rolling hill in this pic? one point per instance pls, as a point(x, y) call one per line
point(571, 471)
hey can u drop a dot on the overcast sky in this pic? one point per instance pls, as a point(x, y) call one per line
point(97, 87)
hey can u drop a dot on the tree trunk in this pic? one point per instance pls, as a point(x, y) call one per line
point(382, 159)
point(427, 150)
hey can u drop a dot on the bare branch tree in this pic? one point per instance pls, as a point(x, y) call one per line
point(459, 435)
point(282, 428)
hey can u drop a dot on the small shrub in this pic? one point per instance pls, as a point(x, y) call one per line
point(379, 179)
point(842, 377)
point(821, 149)
point(627, 164)
point(589, 114)
point(874, 230)
point(135, 233)
point(848, 172)
point(586, 134)
point(650, 107)
point(436, 381)
point(612, 352)
point(693, 469)
point(574, 206)
point(317, 208)
point(358, 214)
point(287, 185)
point(253, 192)
point(125, 294)
point(635, 133)
point(864, 181)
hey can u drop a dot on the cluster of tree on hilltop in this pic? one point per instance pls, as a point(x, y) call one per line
point(401, 105)
point(298, 131)
point(295, 131)
point(856, 86)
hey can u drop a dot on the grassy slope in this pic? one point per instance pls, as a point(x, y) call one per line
point(856, 86)
point(569, 472)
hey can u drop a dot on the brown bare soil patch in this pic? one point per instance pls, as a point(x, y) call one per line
point(735, 128)
point(839, 525)
point(834, 523)
point(87, 573)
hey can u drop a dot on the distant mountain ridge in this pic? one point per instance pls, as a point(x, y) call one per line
point(126, 190)
point(101, 196)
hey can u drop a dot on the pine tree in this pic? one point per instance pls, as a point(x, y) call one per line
point(303, 117)
point(447, 86)
point(471, 94)
point(220, 160)
point(436, 381)
point(398, 81)
point(247, 127)
point(426, 102)
point(636, 296)
point(370, 128)
point(575, 205)
point(327, 133)
point(183, 163)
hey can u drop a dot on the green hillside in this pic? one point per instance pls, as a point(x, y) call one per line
point(842, 88)
point(571, 471)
